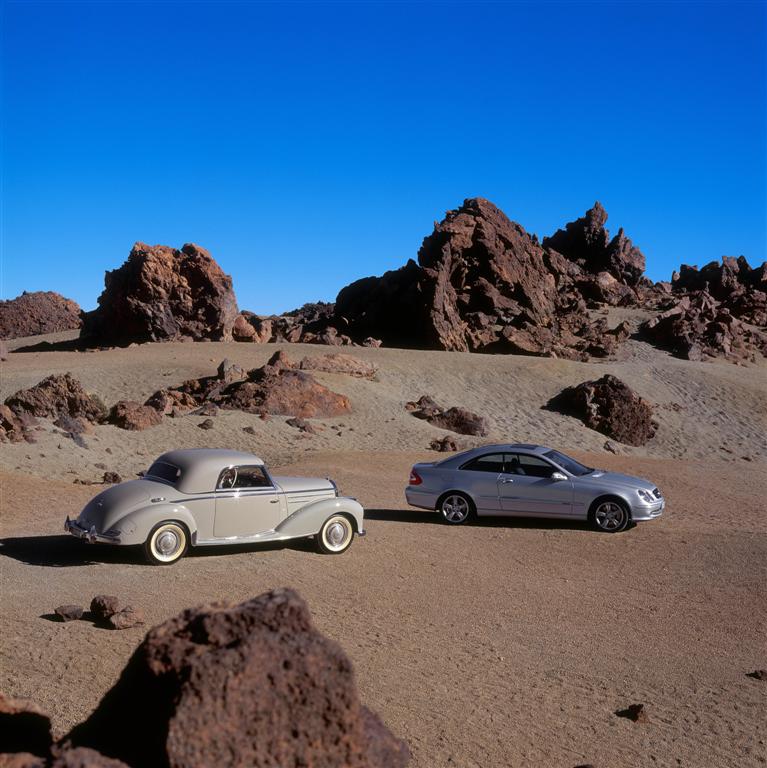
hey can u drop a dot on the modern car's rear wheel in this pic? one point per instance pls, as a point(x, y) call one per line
point(610, 516)
point(335, 536)
point(166, 543)
point(455, 508)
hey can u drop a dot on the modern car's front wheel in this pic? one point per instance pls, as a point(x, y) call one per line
point(610, 516)
point(335, 536)
point(455, 508)
point(166, 544)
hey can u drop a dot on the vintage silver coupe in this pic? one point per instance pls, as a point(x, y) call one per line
point(205, 496)
point(522, 480)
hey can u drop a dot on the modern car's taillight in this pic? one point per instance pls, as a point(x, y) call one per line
point(415, 478)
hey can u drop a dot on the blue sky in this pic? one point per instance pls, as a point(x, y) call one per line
point(309, 144)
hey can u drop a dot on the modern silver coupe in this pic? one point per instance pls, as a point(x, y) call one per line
point(521, 480)
point(205, 496)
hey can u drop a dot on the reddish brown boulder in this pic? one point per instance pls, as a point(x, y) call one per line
point(15, 427)
point(126, 618)
point(58, 395)
point(250, 684)
point(340, 363)
point(698, 326)
point(23, 727)
point(69, 612)
point(242, 330)
point(128, 414)
point(171, 402)
point(36, 313)
point(611, 407)
point(162, 294)
point(104, 606)
point(455, 419)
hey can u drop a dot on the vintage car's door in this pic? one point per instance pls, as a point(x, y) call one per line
point(247, 503)
point(527, 487)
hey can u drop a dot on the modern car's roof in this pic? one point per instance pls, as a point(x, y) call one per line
point(523, 447)
point(200, 467)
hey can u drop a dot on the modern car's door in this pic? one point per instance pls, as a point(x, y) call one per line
point(479, 478)
point(247, 503)
point(526, 487)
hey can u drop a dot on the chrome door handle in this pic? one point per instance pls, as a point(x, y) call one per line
point(507, 480)
point(274, 501)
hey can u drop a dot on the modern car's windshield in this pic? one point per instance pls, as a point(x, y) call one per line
point(161, 470)
point(570, 465)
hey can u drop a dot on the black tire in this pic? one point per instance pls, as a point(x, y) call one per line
point(610, 515)
point(161, 539)
point(456, 507)
point(336, 535)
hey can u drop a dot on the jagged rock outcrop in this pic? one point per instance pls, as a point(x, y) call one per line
point(249, 684)
point(55, 396)
point(455, 419)
point(161, 294)
point(611, 407)
point(698, 326)
point(38, 312)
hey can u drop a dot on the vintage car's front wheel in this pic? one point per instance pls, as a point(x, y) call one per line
point(335, 536)
point(166, 543)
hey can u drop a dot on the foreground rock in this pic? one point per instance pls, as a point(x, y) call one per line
point(250, 684)
point(454, 419)
point(699, 326)
point(611, 407)
point(56, 396)
point(162, 294)
point(276, 388)
point(23, 727)
point(39, 312)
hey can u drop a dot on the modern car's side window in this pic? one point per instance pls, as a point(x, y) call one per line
point(251, 477)
point(490, 462)
point(525, 464)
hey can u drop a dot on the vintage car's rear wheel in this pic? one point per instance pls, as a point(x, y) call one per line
point(455, 508)
point(609, 515)
point(336, 535)
point(166, 543)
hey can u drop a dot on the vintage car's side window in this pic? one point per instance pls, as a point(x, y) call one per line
point(524, 464)
point(490, 462)
point(244, 477)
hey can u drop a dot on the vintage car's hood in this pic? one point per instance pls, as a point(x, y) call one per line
point(111, 504)
point(613, 479)
point(304, 484)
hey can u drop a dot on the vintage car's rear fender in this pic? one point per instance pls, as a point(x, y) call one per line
point(135, 526)
point(308, 520)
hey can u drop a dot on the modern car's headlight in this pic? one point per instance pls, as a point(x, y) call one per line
point(646, 496)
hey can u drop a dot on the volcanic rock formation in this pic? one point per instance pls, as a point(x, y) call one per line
point(454, 419)
point(35, 313)
point(611, 407)
point(162, 294)
point(55, 396)
point(250, 684)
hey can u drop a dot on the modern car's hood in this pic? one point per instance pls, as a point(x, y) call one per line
point(304, 484)
point(611, 479)
point(114, 502)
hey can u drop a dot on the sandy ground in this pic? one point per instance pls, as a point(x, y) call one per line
point(508, 643)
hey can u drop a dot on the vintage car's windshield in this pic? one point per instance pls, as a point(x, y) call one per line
point(161, 470)
point(570, 465)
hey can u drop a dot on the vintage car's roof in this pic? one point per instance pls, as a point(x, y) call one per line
point(200, 467)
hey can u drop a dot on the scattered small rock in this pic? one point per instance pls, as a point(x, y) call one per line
point(208, 409)
point(610, 447)
point(207, 424)
point(249, 430)
point(633, 712)
point(303, 425)
point(111, 478)
point(126, 618)
point(758, 674)
point(104, 606)
point(443, 444)
point(69, 612)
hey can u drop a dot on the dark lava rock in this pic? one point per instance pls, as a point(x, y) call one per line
point(32, 314)
point(250, 684)
point(161, 294)
point(104, 606)
point(455, 419)
point(111, 478)
point(56, 396)
point(444, 444)
point(69, 612)
point(698, 326)
point(249, 430)
point(23, 727)
point(128, 414)
point(171, 402)
point(758, 674)
point(126, 618)
point(207, 424)
point(634, 712)
point(611, 407)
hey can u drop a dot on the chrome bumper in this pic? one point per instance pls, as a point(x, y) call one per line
point(90, 535)
point(647, 511)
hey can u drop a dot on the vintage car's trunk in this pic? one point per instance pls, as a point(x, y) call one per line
point(113, 503)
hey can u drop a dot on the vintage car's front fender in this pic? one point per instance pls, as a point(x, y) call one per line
point(136, 525)
point(308, 520)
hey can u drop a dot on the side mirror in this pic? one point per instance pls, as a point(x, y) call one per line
point(559, 476)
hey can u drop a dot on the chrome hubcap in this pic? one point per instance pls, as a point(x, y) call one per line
point(336, 534)
point(610, 516)
point(167, 543)
point(455, 509)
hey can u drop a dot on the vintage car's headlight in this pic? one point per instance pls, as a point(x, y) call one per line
point(646, 496)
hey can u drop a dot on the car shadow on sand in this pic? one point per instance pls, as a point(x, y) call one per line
point(62, 551)
point(433, 518)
